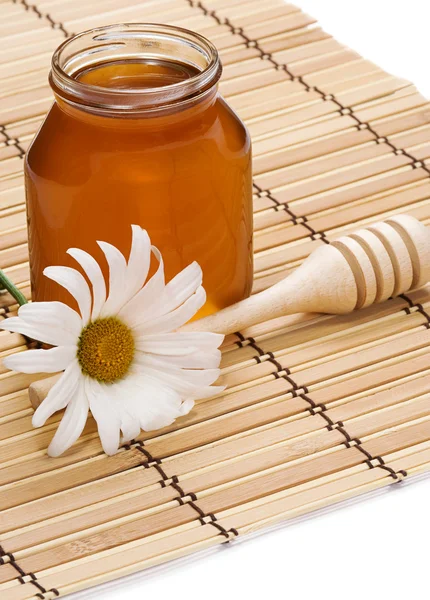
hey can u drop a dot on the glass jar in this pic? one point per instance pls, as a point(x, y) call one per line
point(139, 134)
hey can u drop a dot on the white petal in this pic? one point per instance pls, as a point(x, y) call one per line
point(59, 395)
point(95, 275)
point(75, 284)
point(130, 426)
point(55, 336)
point(194, 376)
point(186, 407)
point(180, 288)
point(141, 305)
point(106, 417)
point(41, 361)
point(117, 279)
point(194, 359)
point(181, 383)
point(72, 423)
point(177, 343)
point(52, 314)
point(139, 260)
point(176, 318)
point(157, 406)
point(124, 394)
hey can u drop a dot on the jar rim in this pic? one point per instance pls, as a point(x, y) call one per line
point(70, 55)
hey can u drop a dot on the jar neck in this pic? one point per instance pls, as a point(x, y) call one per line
point(178, 116)
point(135, 43)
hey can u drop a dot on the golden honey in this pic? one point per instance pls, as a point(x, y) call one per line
point(141, 136)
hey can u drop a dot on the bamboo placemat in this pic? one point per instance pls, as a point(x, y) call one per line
point(318, 408)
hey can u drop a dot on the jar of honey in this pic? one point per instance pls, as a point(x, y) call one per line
point(139, 134)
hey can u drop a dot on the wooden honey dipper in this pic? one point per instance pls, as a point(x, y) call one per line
point(370, 265)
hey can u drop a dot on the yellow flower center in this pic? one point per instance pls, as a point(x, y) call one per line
point(106, 349)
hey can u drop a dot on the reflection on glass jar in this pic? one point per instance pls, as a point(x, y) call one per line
point(139, 134)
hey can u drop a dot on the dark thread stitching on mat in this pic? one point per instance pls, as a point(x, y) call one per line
point(320, 408)
point(314, 234)
point(5, 310)
point(54, 24)
point(242, 339)
point(419, 308)
point(11, 141)
point(256, 348)
point(205, 519)
point(31, 344)
point(350, 442)
point(408, 300)
point(156, 462)
point(23, 575)
point(280, 373)
point(251, 342)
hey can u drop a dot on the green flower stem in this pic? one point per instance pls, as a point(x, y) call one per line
point(6, 284)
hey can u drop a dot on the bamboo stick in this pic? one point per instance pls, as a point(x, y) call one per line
point(338, 74)
point(66, 11)
point(298, 53)
point(165, 445)
point(387, 182)
point(340, 345)
point(275, 43)
point(15, 403)
point(410, 193)
point(13, 237)
point(385, 127)
point(21, 26)
point(406, 140)
point(320, 165)
point(354, 86)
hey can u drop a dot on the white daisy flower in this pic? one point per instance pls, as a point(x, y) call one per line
point(121, 354)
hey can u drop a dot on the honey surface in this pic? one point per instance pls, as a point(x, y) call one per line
point(136, 75)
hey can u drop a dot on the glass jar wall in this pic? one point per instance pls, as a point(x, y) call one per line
point(139, 134)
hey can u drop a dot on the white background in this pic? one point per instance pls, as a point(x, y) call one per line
point(378, 546)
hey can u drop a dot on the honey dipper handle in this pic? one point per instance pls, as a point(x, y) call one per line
point(323, 283)
point(268, 304)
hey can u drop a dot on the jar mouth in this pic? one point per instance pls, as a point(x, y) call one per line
point(138, 42)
